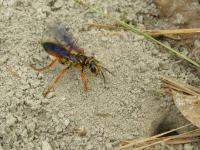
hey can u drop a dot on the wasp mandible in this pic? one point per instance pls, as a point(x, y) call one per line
point(66, 52)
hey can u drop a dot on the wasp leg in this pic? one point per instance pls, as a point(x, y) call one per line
point(56, 79)
point(85, 82)
point(46, 67)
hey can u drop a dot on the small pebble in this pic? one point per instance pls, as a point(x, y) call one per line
point(58, 129)
point(188, 147)
point(1, 148)
point(58, 4)
point(3, 59)
point(60, 114)
point(197, 43)
point(104, 39)
point(46, 146)
point(10, 120)
point(50, 95)
point(31, 126)
point(67, 122)
point(140, 19)
point(90, 146)
point(108, 145)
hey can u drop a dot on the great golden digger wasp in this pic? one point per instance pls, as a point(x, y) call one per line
point(65, 51)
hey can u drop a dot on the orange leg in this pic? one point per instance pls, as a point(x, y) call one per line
point(56, 79)
point(85, 82)
point(46, 67)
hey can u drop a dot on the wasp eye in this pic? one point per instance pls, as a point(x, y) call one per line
point(93, 69)
point(94, 66)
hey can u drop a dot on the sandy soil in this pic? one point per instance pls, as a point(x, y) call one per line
point(131, 105)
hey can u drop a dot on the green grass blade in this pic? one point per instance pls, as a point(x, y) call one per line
point(137, 31)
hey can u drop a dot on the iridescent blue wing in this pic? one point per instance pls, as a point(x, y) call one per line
point(55, 49)
point(62, 35)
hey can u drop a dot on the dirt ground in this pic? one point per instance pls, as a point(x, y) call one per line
point(131, 104)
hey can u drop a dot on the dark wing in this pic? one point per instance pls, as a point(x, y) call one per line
point(55, 49)
point(65, 38)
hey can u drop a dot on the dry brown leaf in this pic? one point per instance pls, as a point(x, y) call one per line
point(189, 106)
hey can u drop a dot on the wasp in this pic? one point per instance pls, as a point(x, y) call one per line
point(66, 52)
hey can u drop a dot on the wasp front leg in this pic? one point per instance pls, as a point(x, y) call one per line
point(46, 67)
point(56, 79)
point(84, 79)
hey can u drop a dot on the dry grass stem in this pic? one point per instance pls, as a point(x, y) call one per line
point(150, 32)
point(166, 139)
point(172, 31)
point(188, 137)
point(139, 141)
point(182, 87)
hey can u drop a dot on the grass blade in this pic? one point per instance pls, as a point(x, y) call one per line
point(139, 32)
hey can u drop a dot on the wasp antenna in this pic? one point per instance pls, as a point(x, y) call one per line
point(108, 71)
point(104, 79)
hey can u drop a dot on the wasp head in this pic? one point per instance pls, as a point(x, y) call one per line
point(94, 66)
point(97, 69)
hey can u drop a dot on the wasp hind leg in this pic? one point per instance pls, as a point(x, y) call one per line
point(55, 80)
point(46, 67)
